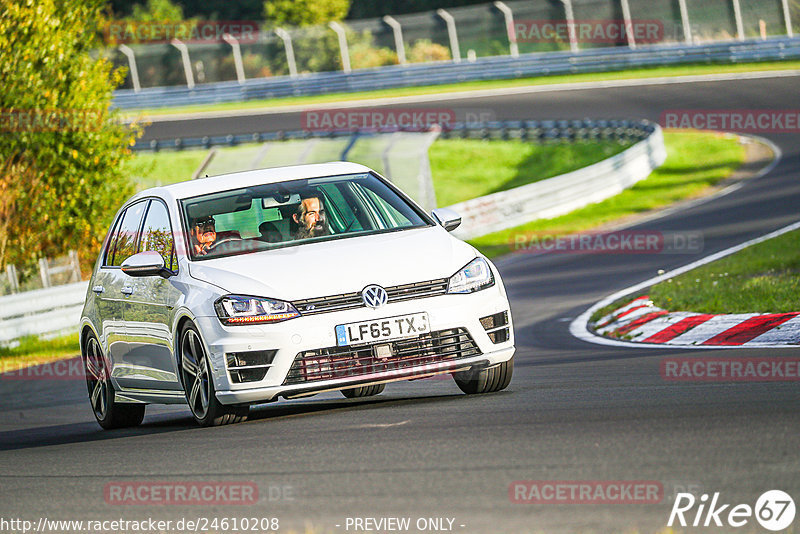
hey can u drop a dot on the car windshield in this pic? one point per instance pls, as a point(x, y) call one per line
point(292, 213)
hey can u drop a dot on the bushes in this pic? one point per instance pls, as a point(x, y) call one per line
point(363, 55)
point(61, 149)
point(424, 50)
point(304, 12)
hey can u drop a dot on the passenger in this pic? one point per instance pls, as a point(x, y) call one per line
point(203, 235)
point(310, 218)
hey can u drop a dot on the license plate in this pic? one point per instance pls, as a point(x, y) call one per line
point(386, 329)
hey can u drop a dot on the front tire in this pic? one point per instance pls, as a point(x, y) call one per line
point(488, 380)
point(109, 413)
point(363, 391)
point(198, 384)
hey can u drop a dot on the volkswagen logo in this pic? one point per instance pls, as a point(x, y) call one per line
point(374, 296)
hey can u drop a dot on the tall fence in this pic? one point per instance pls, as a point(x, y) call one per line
point(462, 34)
point(443, 72)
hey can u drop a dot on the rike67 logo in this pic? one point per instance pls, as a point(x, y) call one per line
point(774, 510)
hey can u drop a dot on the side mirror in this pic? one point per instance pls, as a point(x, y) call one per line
point(448, 218)
point(147, 263)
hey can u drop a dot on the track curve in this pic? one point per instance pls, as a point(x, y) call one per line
point(574, 410)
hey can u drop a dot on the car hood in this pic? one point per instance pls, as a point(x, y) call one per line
point(339, 266)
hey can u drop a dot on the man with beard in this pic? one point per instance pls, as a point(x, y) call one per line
point(203, 235)
point(310, 218)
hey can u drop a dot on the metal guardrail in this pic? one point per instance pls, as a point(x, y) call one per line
point(42, 311)
point(532, 130)
point(562, 194)
point(490, 68)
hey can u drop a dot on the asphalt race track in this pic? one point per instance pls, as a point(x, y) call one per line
point(574, 410)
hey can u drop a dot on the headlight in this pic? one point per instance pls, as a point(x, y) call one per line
point(237, 309)
point(475, 276)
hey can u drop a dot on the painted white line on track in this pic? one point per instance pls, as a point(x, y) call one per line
point(478, 93)
point(383, 425)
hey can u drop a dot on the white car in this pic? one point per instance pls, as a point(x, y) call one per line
point(239, 289)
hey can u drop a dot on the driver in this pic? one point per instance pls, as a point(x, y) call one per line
point(310, 218)
point(203, 235)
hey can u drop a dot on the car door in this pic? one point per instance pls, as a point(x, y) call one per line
point(149, 310)
point(109, 284)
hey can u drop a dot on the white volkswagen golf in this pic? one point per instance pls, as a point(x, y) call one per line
point(239, 289)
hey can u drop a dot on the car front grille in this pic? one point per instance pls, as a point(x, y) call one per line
point(358, 360)
point(349, 301)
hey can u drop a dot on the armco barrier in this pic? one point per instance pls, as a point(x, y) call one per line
point(532, 130)
point(561, 194)
point(490, 68)
point(42, 311)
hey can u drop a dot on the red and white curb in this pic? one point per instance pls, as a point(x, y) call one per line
point(691, 330)
point(641, 321)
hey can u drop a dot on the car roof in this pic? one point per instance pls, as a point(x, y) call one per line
point(236, 180)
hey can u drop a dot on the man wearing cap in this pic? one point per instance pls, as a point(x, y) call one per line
point(203, 235)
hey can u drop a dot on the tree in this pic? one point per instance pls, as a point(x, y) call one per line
point(304, 12)
point(157, 11)
point(61, 147)
point(362, 9)
point(203, 9)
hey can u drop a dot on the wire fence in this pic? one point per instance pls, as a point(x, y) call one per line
point(459, 34)
point(491, 68)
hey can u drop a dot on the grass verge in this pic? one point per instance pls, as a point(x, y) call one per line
point(696, 161)
point(501, 165)
point(33, 351)
point(653, 72)
point(149, 169)
point(762, 278)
